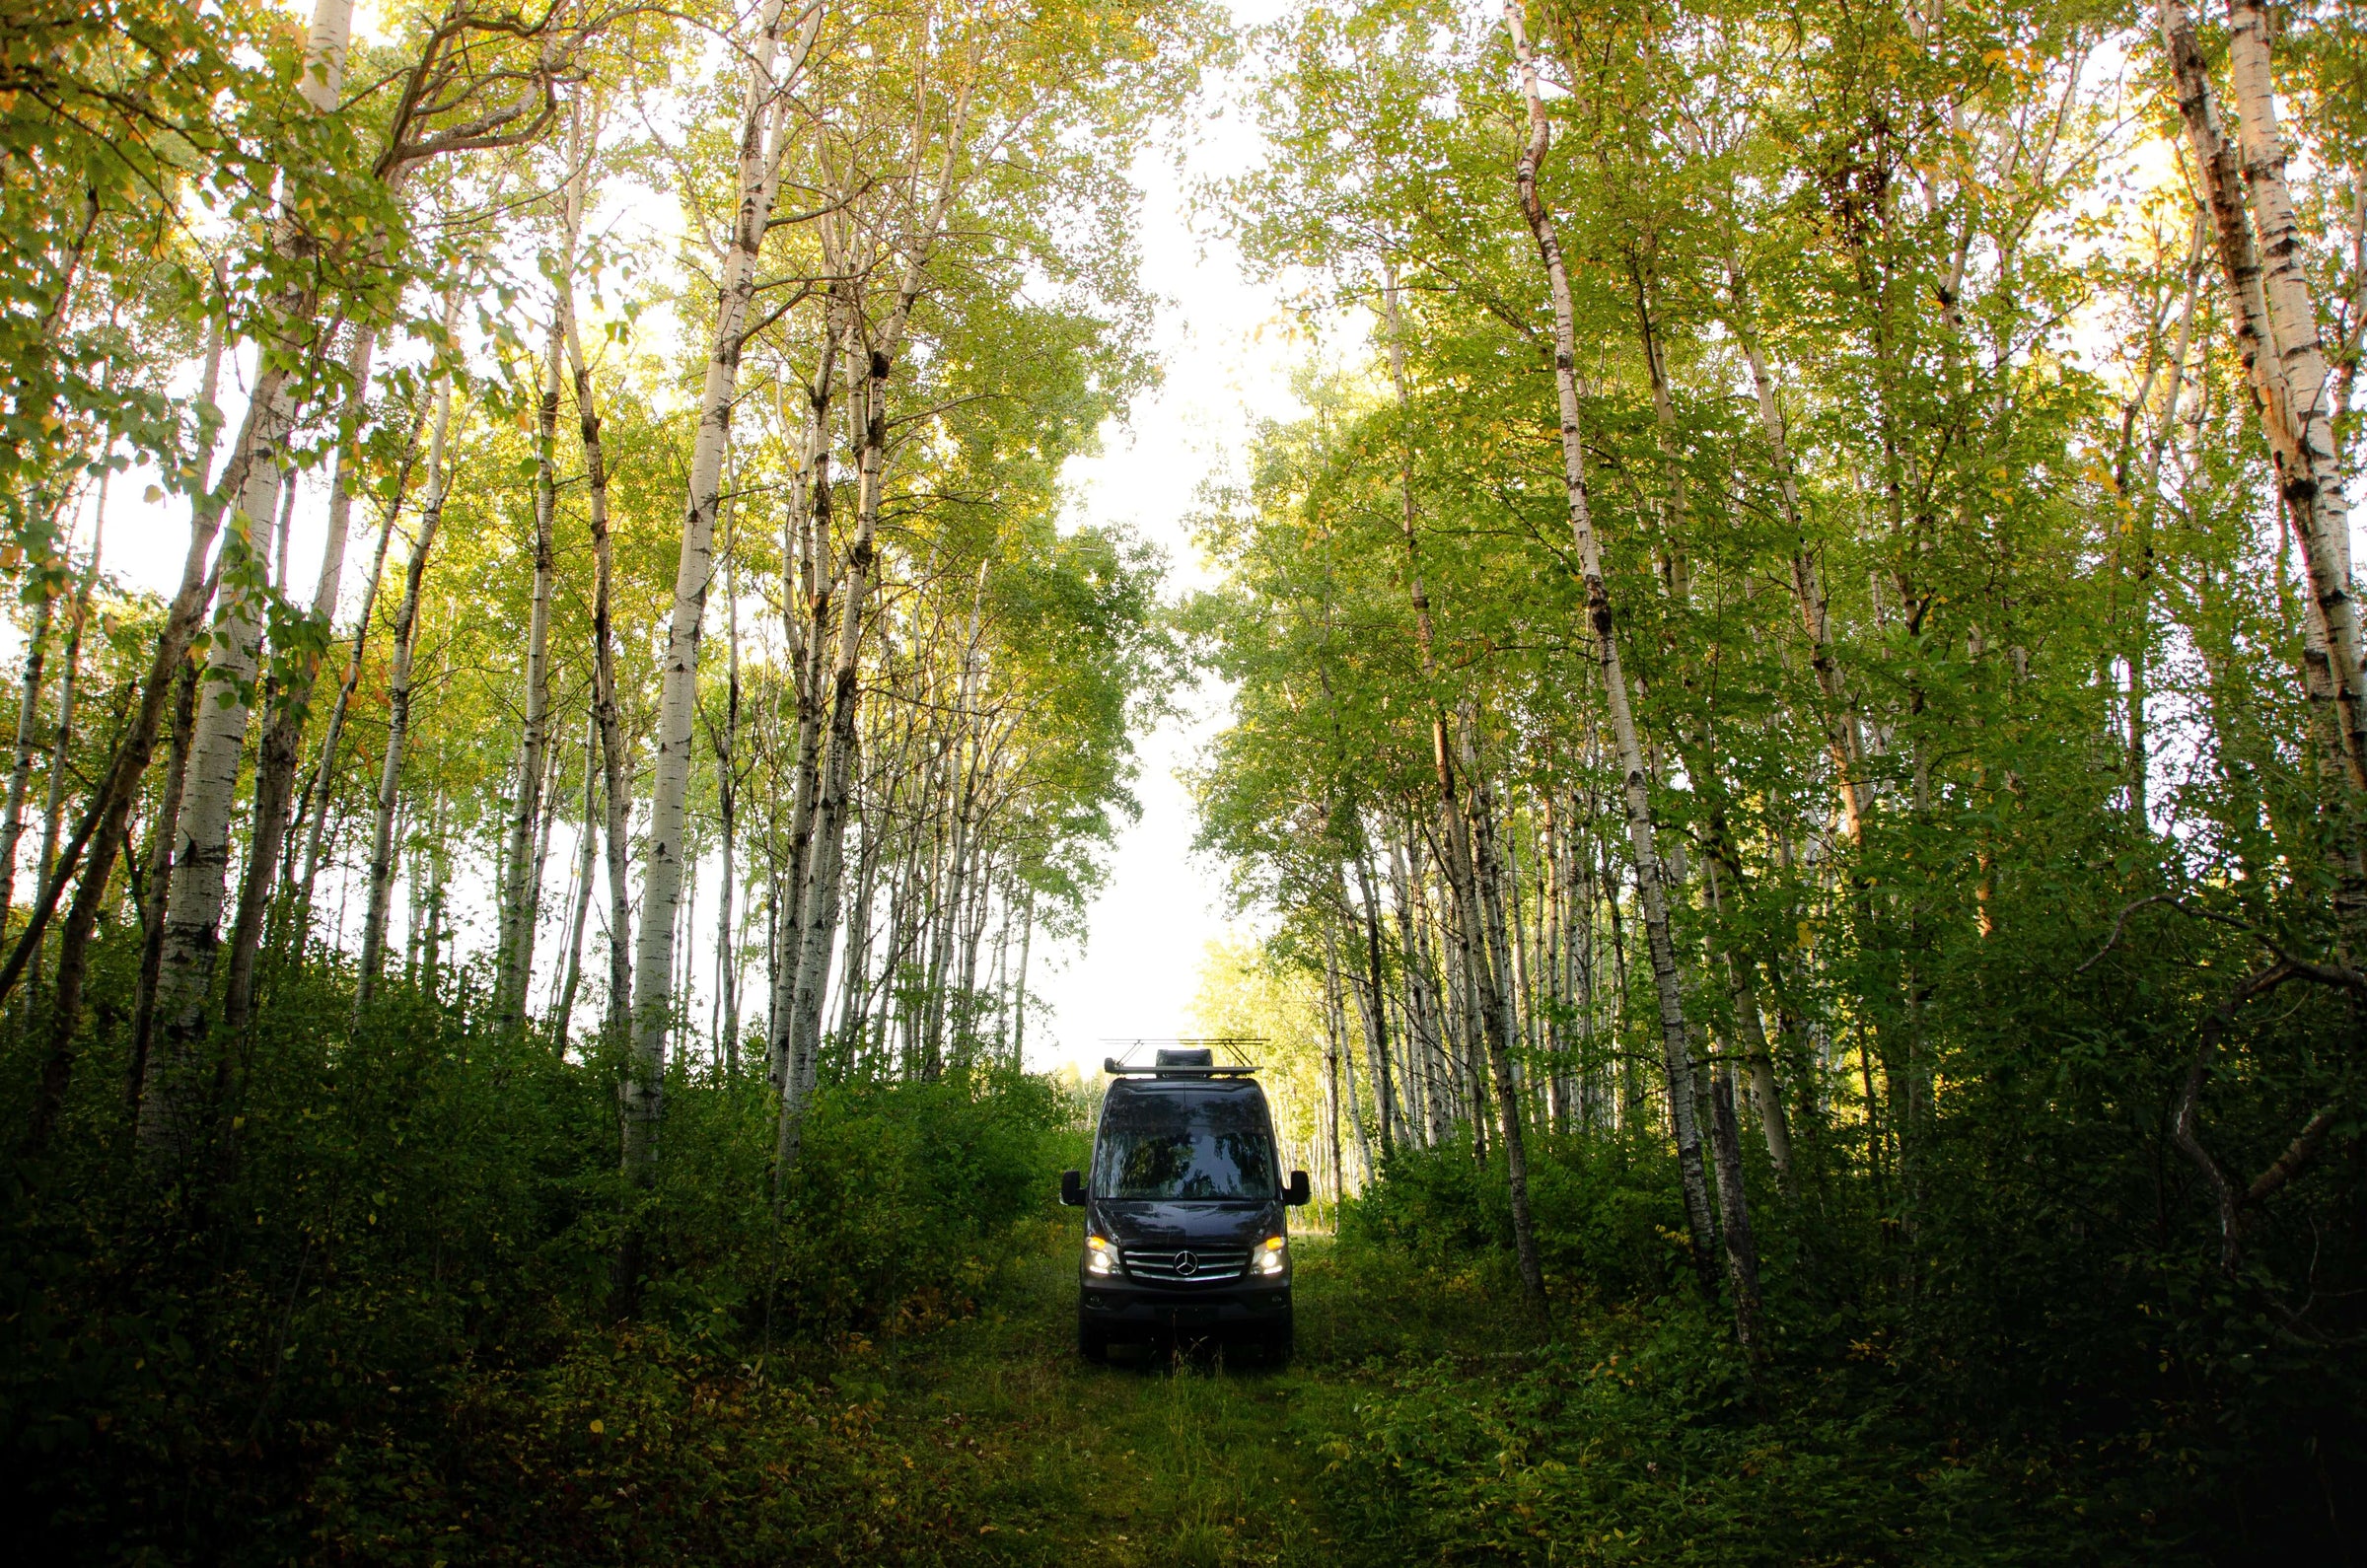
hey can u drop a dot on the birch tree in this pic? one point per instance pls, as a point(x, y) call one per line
point(763, 147)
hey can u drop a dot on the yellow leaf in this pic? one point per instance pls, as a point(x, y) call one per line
point(598, 1428)
point(153, 494)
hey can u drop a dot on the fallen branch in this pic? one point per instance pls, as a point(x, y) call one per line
point(2284, 967)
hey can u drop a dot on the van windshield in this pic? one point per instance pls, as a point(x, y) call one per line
point(1184, 1147)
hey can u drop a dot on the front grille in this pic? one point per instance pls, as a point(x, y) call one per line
point(1205, 1266)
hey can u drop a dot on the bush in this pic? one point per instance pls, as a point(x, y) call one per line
point(396, 1268)
point(1609, 1225)
point(1643, 1443)
point(2023, 1392)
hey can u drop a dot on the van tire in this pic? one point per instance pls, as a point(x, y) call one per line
point(1274, 1345)
point(1092, 1342)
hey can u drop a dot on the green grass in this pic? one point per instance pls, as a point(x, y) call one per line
point(1153, 1459)
point(1427, 1420)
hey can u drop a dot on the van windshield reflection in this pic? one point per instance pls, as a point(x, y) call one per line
point(1180, 1152)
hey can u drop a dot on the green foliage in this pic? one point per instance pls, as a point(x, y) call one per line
point(904, 1202)
point(2037, 1400)
point(1642, 1443)
point(1608, 1227)
point(382, 1311)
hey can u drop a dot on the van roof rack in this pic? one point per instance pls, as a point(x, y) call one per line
point(1182, 1058)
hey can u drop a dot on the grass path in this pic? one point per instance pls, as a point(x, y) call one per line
point(1040, 1457)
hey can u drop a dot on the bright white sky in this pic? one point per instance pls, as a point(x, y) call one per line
point(1228, 347)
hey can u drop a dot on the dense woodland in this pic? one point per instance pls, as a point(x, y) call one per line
point(1797, 762)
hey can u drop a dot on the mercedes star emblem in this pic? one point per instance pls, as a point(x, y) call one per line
point(1187, 1264)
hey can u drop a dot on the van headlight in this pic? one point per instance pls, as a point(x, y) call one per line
point(1270, 1256)
point(1100, 1256)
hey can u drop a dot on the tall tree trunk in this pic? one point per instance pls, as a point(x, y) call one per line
point(1019, 1029)
point(1702, 766)
point(1426, 1041)
point(763, 145)
point(170, 1102)
point(283, 743)
point(1845, 728)
point(1495, 1000)
point(2146, 507)
point(62, 740)
point(398, 710)
point(616, 800)
point(1765, 1100)
point(587, 858)
point(29, 729)
point(805, 538)
point(2275, 317)
point(727, 972)
point(61, 753)
point(319, 788)
point(1334, 1041)
point(1742, 1248)
point(818, 921)
point(169, 1108)
point(513, 955)
point(1677, 1054)
point(108, 817)
point(1462, 880)
point(159, 882)
point(1377, 1042)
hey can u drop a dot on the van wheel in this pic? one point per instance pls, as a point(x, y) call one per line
point(1275, 1344)
point(1092, 1342)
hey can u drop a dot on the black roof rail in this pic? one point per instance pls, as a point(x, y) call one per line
point(1184, 1058)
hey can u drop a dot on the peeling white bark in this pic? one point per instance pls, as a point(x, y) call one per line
point(762, 142)
point(1651, 893)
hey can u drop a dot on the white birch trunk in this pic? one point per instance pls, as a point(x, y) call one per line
point(616, 775)
point(398, 710)
point(725, 1017)
point(324, 778)
point(762, 144)
point(1844, 729)
point(28, 723)
point(201, 856)
point(820, 919)
point(2275, 320)
point(275, 765)
point(61, 747)
point(194, 913)
point(520, 869)
point(1651, 895)
point(587, 854)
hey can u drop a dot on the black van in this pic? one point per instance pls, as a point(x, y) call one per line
point(1185, 1228)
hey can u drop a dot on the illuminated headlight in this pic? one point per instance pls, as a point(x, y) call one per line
point(1100, 1256)
point(1270, 1256)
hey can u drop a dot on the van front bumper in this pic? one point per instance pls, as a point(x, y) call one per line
point(1119, 1306)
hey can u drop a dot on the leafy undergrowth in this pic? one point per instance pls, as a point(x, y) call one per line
point(1426, 1419)
point(388, 1331)
point(388, 1336)
point(633, 1451)
point(1634, 1439)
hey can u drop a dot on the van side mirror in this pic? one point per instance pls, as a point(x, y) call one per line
point(1072, 1190)
point(1299, 1191)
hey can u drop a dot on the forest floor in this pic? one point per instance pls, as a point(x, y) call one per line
point(1154, 1459)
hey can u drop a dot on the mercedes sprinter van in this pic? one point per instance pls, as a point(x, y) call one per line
point(1186, 1231)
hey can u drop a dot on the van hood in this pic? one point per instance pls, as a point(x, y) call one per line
point(1148, 1223)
